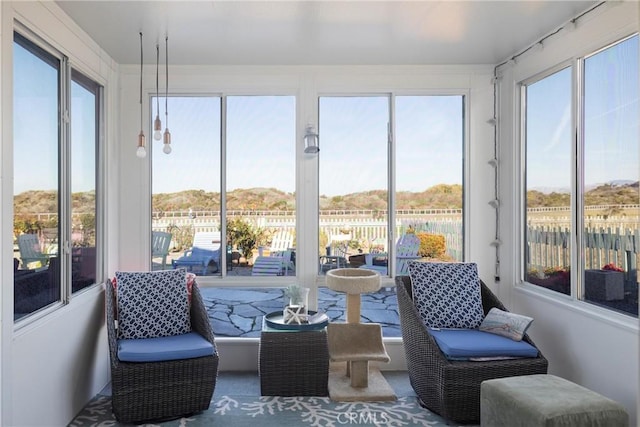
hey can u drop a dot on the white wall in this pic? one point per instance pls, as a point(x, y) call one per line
point(595, 348)
point(51, 367)
point(62, 360)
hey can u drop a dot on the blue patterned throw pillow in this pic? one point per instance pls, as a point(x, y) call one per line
point(447, 295)
point(152, 304)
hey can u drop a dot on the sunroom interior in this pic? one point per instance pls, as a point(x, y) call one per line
point(503, 96)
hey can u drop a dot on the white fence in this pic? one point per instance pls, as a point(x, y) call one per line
point(549, 247)
point(607, 238)
point(364, 226)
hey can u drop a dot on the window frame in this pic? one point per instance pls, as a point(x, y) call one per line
point(307, 238)
point(222, 278)
point(391, 96)
point(522, 205)
point(67, 74)
point(89, 84)
point(577, 162)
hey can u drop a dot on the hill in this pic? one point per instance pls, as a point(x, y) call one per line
point(440, 196)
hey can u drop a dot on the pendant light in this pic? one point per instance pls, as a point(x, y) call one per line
point(167, 135)
point(141, 152)
point(157, 124)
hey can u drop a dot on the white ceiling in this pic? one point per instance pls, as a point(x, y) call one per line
point(310, 32)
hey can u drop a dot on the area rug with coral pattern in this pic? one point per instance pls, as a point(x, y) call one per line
point(235, 411)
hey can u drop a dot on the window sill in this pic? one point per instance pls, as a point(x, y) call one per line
point(624, 321)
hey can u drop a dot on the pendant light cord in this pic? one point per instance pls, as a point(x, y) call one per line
point(140, 80)
point(157, 68)
point(166, 93)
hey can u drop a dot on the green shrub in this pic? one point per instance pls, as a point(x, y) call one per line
point(431, 245)
point(245, 236)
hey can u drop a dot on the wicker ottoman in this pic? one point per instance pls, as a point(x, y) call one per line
point(293, 363)
point(546, 400)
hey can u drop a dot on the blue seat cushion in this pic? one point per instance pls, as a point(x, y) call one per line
point(185, 346)
point(465, 344)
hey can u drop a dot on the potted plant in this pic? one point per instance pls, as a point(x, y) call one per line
point(297, 309)
point(554, 278)
point(606, 284)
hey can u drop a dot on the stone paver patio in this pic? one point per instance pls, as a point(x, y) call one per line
point(238, 312)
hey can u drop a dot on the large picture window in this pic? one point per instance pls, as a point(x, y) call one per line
point(548, 181)
point(589, 182)
point(609, 187)
point(360, 225)
point(190, 184)
point(36, 222)
point(55, 179)
point(85, 107)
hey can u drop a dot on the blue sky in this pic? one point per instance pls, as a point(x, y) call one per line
point(353, 143)
point(353, 134)
point(36, 126)
point(610, 121)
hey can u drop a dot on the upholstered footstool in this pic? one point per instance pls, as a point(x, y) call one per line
point(546, 400)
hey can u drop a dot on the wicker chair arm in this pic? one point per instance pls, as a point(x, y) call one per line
point(199, 317)
point(112, 333)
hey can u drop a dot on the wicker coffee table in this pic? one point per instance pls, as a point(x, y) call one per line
point(293, 362)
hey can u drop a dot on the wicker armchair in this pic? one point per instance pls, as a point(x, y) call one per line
point(147, 391)
point(452, 388)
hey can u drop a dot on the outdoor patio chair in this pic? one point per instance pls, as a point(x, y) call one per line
point(282, 241)
point(407, 249)
point(160, 242)
point(205, 249)
point(29, 246)
point(287, 260)
point(336, 258)
point(451, 388)
point(268, 266)
point(163, 357)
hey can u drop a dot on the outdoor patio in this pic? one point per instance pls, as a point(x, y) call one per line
point(238, 312)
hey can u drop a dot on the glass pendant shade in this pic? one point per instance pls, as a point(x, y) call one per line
point(157, 129)
point(141, 152)
point(167, 142)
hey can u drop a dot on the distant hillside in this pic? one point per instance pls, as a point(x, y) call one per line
point(243, 199)
point(603, 194)
point(440, 196)
point(47, 201)
point(612, 194)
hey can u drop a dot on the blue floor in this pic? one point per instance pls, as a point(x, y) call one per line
point(238, 312)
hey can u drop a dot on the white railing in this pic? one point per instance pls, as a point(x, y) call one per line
point(550, 247)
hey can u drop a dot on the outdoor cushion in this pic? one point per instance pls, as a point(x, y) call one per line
point(177, 347)
point(447, 295)
point(507, 324)
point(191, 279)
point(464, 344)
point(152, 304)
